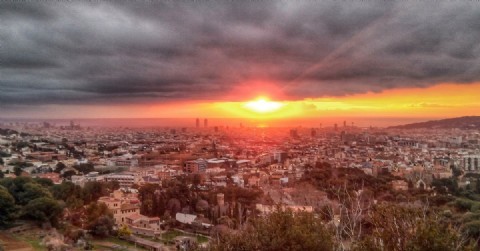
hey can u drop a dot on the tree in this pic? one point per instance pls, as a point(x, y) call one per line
point(17, 171)
point(456, 171)
point(174, 206)
point(24, 189)
point(352, 207)
point(94, 190)
point(99, 219)
point(201, 206)
point(70, 193)
point(102, 226)
point(85, 168)
point(42, 210)
point(477, 186)
point(4, 154)
point(7, 207)
point(152, 201)
point(44, 182)
point(432, 235)
point(445, 185)
point(472, 229)
point(196, 180)
point(1, 174)
point(21, 144)
point(398, 228)
point(124, 232)
point(68, 174)
point(59, 167)
point(280, 230)
point(30, 192)
point(112, 185)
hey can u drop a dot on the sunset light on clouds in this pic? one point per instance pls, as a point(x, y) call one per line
point(172, 59)
point(444, 100)
point(440, 100)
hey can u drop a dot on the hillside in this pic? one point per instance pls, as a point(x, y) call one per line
point(469, 122)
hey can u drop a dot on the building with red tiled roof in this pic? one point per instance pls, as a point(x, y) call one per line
point(143, 225)
point(54, 177)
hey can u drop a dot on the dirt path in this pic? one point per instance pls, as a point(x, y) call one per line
point(11, 244)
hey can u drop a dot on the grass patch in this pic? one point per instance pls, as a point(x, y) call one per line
point(171, 234)
point(35, 244)
point(116, 241)
point(201, 239)
point(33, 240)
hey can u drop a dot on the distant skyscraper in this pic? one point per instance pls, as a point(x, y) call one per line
point(205, 123)
point(294, 133)
point(313, 133)
point(336, 127)
point(344, 123)
point(197, 123)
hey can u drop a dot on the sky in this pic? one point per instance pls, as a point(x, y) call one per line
point(178, 59)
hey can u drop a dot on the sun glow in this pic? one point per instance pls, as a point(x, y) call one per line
point(263, 105)
point(439, 101)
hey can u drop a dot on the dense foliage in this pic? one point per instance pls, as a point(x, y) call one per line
point(281, 230)
point(7, 207)
point(42, 201)
point(329, 179)
point(176, 196)
point(388, 227)
point(99, 219)
point(33, 199)
point(400, 228)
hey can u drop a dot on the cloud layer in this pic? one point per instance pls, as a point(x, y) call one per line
point(96, 52)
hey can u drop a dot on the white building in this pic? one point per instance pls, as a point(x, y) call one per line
point(124, 179)
point(471, 163)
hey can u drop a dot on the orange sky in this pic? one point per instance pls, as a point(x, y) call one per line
point(442, 101)
point(445, 100)
point(174, 60)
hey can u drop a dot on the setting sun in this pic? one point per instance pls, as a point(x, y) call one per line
point(263, 105)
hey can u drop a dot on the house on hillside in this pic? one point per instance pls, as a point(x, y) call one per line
point(143, 225)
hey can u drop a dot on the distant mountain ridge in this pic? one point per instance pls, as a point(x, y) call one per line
point(467, 122)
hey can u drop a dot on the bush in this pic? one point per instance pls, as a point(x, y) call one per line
point(472, 229)
point(280, 230)
point(466, 205)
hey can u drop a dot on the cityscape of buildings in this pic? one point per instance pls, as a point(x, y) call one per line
point(275, 161)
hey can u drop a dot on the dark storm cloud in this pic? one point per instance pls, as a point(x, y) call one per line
point(113, 52)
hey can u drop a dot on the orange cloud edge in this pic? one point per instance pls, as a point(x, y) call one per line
point(442, 101)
